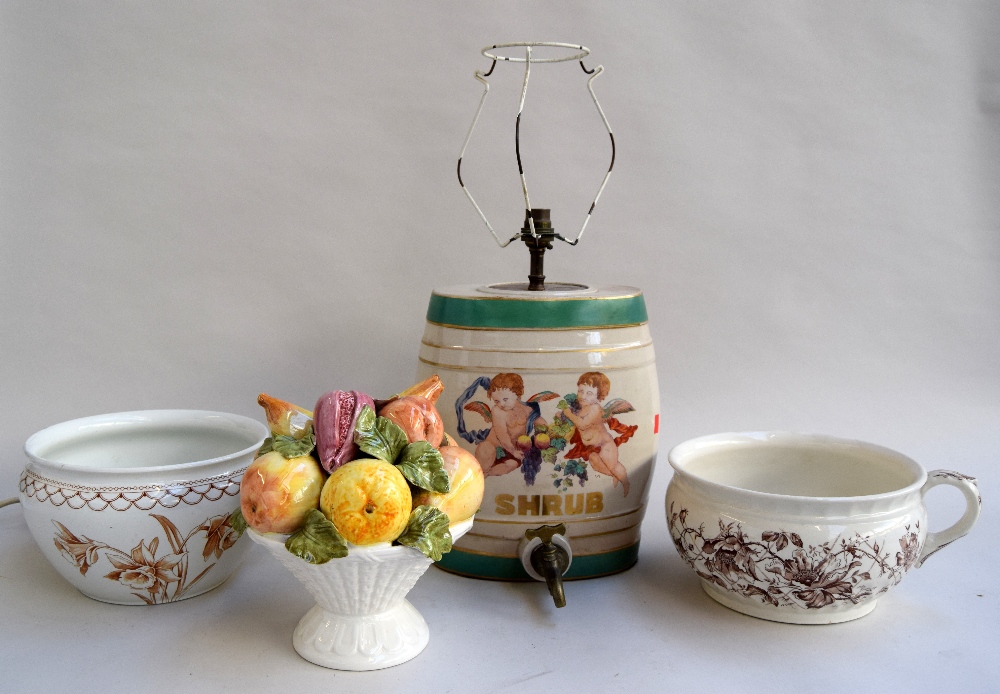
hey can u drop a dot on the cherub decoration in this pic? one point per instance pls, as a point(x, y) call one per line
point(591, 439)
point(508, 444)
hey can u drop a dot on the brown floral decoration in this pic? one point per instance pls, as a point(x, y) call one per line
point(81, 552)
point(143, 571)
point(780, 570)
point(152, 579)
point(220, 536)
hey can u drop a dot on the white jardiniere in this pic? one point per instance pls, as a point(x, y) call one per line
point(135, 508)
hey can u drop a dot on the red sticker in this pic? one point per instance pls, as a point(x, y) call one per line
point(656, 424)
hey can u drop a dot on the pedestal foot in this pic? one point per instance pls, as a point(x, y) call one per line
point(361, 642)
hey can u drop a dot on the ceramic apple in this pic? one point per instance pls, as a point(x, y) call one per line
point(465, 476)
point(277, 492)
point(524, 442)
point(368, 501)
point(542, 441)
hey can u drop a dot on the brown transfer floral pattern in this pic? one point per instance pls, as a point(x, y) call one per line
point(152, 579)
point(781, 570)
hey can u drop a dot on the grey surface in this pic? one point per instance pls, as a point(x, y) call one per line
point(202, 201)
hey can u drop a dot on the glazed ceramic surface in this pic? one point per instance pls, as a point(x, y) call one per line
point(556, 395)
point(361, 620)
point(134, 508)
point(802, 528)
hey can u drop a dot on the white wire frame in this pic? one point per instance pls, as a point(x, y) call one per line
point(528, 59)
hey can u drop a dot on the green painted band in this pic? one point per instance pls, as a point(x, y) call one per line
point(490, 312)
point(511, 569)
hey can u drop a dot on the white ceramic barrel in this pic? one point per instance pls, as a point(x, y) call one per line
point(512, 363)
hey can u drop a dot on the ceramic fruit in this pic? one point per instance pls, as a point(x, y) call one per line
point(277, 492)
point(284, 418)
point(139, 508)
point(803, 528)
point(368, 501)
point(467, 485)
point(335, 419)
point(417, 417)
point(430, 388)
point(372, 534)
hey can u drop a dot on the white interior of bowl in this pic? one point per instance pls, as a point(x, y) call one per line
point(798, 465)
point(141, 440)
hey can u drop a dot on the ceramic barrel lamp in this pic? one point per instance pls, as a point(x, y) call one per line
point(553, 387)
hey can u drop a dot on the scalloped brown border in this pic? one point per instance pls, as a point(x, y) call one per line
point(144, 497)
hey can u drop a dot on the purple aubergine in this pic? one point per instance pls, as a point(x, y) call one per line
point(333, 421)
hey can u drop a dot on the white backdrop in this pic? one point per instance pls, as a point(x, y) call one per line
point(200, 201)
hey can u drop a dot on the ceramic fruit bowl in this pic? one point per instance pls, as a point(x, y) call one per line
point(803, 528)
point(361, 620)
point(136, 508)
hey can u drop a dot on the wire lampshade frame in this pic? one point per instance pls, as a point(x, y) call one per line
point(575, 52)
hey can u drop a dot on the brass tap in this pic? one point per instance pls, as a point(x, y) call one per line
point(550, 560)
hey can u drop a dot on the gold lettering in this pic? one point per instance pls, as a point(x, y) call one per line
point(574, 504)
point(551, 505)
point(595, 502)
point(505, 504)
point(528, 505)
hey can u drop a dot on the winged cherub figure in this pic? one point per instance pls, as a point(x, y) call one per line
point(498, 450)
point(592, 439)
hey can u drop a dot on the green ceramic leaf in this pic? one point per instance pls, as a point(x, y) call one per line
point(428, 532)
point(317, 541)
point(237, 522)
point(265, 447)
point(378, 436)
point(291, 447)
point(423, 466)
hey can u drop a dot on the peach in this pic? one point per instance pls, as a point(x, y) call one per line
point(368, 500)
point(417, 417)
point(276, 493)
point(467, 486)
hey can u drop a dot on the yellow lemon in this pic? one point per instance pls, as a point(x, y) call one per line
point(368, 501)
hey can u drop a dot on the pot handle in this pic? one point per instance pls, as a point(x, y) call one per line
point(973, 502)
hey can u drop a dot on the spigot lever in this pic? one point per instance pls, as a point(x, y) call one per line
point(550, 560)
